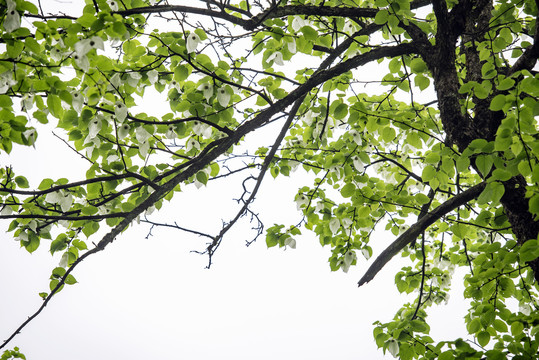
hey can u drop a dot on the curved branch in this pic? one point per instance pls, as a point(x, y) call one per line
point(416, 229)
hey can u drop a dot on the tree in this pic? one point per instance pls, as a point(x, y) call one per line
point(453, 179)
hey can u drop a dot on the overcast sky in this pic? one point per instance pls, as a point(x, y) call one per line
point(150, 298)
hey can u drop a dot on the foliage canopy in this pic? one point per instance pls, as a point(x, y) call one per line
point(455, 179)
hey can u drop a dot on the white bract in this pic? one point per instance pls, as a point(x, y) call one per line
point(133, 78)
point(120, 110)
point(77, 101)
point(207, 90)
point(113, 5)
point(142, 134)
point(64, 260)
point(357, 163)
point(193, 40)
point(347, 261)
point(290, 242)
point(62, 198)
point(82, 62)
point(115, 81)
point(292, 46)
point(123, 131)
point(6, 81)
point(301, 201)
point(276, 58)
point(298, 23)
point(201, 129)
point(153, 75)
point(27, 101)
point(366, 254)
point(94, 127)
point(6, 210)
point(223, 97)
point(356, 137)
point(192, 144)
point(334, 225)
point(393, 347)
point(309, 117)
point(12, 20)
point(30, 136)
point(85, 45)
point(171, 132)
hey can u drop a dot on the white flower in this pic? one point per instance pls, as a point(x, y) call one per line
point(356, 137)
point(349, 28)
point(113, 5)
point(82, 62)
point(199, 184)
point(64, 260)
point(57, 54)
point(23, 236)
point(120, 110)
point(94, 127)
point(85, 45)
point(301, 200)
point(144, 148)
point(115, 80)
point(207, 90)
point(223, 97)
point(77, 101)
point(174, 84)
point(292, 46)
point(290, 242)
point(199, 128)
point(123, 131)
point(12, 20)
point(298, 23)
point(346, 222)
point(334, 225)
point(142, 135)
point(6, 210)
point(193, 40)
point(393, 347)
point(30, 136)
point(277, 58)
point(192, 144)
point(366, 254)
point(309, 117)
point(349, 258)
point(6, 81)
point(171, 132)
point(358, 164)
point(27, 101)
point(524, 308)
point(65, 201)
point(153, 75)
point(133, 78)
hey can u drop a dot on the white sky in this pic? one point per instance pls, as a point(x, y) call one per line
point(152, 298)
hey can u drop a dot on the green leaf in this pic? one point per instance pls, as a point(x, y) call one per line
point(381, 17)
point(497, 103)
point(309, 33)
point(348, 190)
point(22, 182)
point(492, 193)
point(483, 338)
point(473, 326)
point(484, 164)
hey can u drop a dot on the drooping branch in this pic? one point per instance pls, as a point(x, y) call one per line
point(416, 229)
point(267, 161)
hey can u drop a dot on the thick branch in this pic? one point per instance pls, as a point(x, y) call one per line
point(416, 229)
